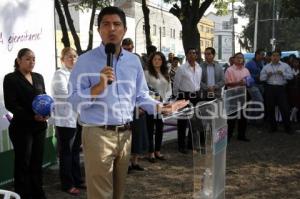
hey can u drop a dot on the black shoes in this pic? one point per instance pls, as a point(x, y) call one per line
point(289, 131)
point(152, 160)
point(244, 139)
point(136, 167)
point(160, 157)
point(183, 151)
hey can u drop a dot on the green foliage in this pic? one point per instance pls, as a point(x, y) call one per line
point(286, 31)
point(291, 8)
point(222, 6)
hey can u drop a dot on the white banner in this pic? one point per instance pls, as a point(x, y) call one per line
point(30, 24)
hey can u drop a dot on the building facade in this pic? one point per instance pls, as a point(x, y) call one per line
point(165, 29)
point(206, 28)
point(223, 34)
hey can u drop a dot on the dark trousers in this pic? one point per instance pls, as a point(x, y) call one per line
point(28, 146)
point(182, 124)
point(158, 123)
point(69, 141)
point(277, 96)
point(242, 124)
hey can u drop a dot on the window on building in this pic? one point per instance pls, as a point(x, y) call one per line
point(207, 29)
point(96, 20)
point(163, 31)
point(171, 33)
point(211, 30)
point(226, 25)
point(144, 28)
point(154, 29)
point(180, 35)
point(174, 34)
point(207, 44)
point(201, 28)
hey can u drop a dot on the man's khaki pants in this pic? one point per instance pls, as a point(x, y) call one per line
point(106, 159)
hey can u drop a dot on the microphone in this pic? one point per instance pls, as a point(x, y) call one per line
point(110, 50)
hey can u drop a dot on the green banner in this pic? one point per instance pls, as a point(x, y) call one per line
point(7, 155)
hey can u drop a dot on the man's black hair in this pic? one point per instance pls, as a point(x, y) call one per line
point(127, 41)
point(191, 48)
point(259, 51)
point(151, 49)
point(277, 51)
point(212, 50)
point(112, 10)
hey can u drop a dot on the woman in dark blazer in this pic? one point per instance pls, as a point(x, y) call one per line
point(27, 130)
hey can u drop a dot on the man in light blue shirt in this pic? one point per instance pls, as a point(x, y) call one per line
point(106, 110)
point(276, 74)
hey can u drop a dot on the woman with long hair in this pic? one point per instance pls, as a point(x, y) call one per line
point(27, 130)
point(158, 80)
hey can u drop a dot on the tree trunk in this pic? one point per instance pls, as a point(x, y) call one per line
point(65, 4)
point(90, 44)
point(189, 14)
point(146, 12)
point(191, 38)
point(65, 37)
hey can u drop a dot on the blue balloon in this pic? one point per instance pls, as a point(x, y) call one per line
point(249, 81)
point(42, 104)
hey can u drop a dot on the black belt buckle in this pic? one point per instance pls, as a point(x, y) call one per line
point(210, 95)
point(117, 128)
point(194, 95)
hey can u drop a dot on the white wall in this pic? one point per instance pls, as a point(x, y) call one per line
point(226, 35)
point(19, 19)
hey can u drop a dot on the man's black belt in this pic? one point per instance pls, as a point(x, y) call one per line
point(116, 128)
point(188, 94)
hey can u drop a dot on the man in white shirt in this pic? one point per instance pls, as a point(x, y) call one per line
point(186, 85)
point(276, 74)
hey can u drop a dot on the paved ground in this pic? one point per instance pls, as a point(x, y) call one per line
point(268, 167)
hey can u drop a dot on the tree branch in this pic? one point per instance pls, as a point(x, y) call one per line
point(202, 9)
point(65, 4)
point(195, 4)
point(91, 27)
point(65, 37)
point(175, 10)
point(146, 12)
point(185, 3)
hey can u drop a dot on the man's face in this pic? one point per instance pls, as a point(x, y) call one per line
point(128, 47)
point(275, 57)
point(175, 63)
point(209, 57)
point(112, 29)
point(170, 56)
point(260, 56)
point(192, 55)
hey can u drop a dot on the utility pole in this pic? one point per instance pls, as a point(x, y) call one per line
point(233, 34)
point(273, 40)
point(160, 38)
point(255, 28)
